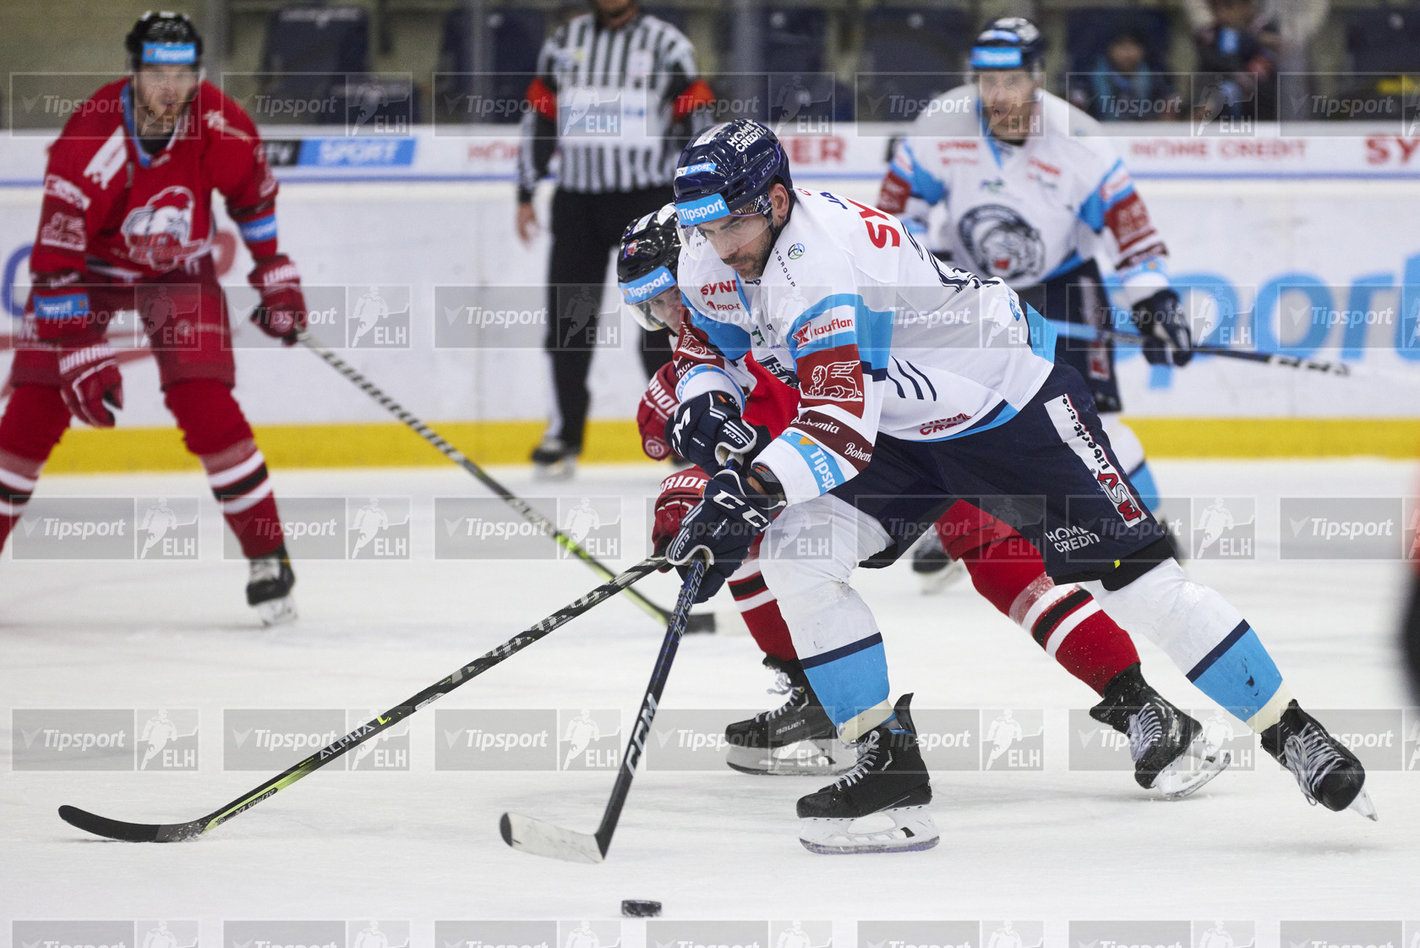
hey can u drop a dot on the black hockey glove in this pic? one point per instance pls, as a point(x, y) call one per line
point(1165, 328)
point(725, 524)
point(707, 431)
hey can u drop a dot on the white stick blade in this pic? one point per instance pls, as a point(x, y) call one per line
point(541, 838)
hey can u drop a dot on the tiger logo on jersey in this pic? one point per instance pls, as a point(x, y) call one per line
point(1001, 243)
point(158, 233)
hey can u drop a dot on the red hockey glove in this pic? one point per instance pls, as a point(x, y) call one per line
point(657, 403)
point(282, 312)
point(89, 379)
point(680, 492)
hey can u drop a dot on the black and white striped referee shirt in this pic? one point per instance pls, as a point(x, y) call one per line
point(612, 104)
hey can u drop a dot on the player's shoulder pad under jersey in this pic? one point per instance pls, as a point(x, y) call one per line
point(819, 247)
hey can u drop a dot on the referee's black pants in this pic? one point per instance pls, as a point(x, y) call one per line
point(585, 228)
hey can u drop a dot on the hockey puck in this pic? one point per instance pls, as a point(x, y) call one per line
point(640, 908)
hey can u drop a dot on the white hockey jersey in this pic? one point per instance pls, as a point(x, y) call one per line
point(1028, 212)
point(876, 333)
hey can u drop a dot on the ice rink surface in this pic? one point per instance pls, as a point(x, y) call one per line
point(410, 836)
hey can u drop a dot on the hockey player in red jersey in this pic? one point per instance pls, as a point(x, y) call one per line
point(126, 224)
point(1170, 749)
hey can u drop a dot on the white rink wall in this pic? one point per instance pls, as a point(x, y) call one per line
point(1315, 228)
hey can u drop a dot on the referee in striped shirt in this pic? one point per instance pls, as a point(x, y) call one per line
point(615, 97)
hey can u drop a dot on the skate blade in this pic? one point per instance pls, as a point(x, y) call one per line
point(1364, 807)
point(950, 575)
point(276, 611)
point(912, 830)
point(822, 758)
point(1175, 783)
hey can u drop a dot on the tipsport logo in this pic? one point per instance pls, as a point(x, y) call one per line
point(1336, 934)
point(267, 740)
point(1345, 528)
point(683, 933)
point(498, 933)
point(988, 739)
point(588, 739)
point(1131, 934)
point(1095, 746)
point(377, 528)
point(949, 933)
point(285, 933)
point(125, 933)
point(148, 740)
point(485, 528)
point(689, 739)
point(496, 739)
point(1375, 735)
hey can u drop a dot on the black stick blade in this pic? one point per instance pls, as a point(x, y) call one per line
point(131, 832)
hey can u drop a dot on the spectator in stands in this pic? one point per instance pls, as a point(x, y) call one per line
point(1237, 63)
point(1121, 87)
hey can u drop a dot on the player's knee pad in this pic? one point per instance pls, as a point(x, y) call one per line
point(808, 553)
point(208, 414)
point(1185, 619)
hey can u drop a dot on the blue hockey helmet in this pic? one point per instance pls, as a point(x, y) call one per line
point(728, 169)
point(646, 263)
point(1011, 42)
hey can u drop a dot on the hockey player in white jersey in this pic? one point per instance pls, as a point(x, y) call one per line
point(919, 384)
point(1004, 179)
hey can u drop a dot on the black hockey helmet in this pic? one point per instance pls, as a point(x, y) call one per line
point(646, 262)
point(1012, 42)
point(163, 37)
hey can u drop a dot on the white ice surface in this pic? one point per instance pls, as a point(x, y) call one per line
point(423, 844)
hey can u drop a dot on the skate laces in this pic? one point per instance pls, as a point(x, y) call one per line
point(1145, 729)
point(1310, 756)
point(867, 759)
point(798, 697)
point(783, 684)
point(265, 568)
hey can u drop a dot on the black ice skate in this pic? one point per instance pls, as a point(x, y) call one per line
point(269, 588)
point(933, 565)
point(878, 806)
point(1326, 770)
point(554, 460)
point(1172, 752)
point(795, 738)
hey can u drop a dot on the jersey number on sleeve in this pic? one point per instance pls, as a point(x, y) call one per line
point(881, 234)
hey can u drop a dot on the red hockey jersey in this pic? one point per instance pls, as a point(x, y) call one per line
point(111, 206)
